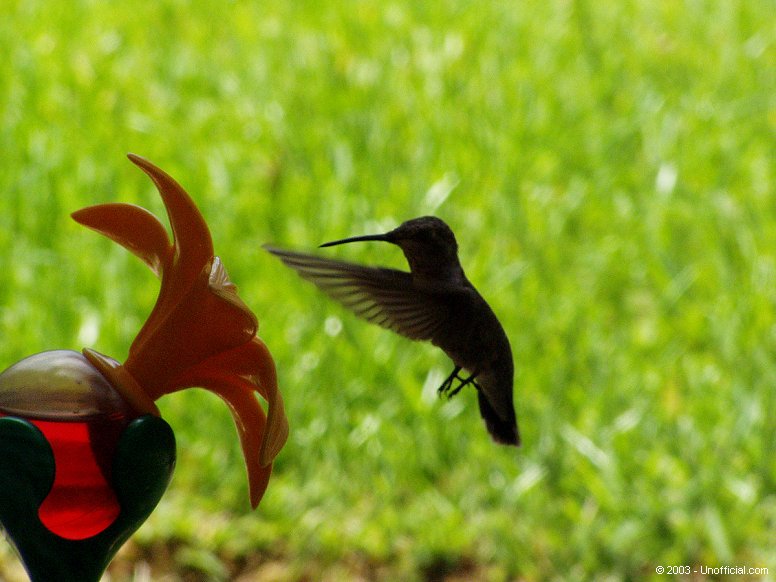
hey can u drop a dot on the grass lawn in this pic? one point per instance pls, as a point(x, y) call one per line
point(609, 171)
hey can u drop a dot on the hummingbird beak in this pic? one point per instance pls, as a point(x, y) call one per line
point(381, 237)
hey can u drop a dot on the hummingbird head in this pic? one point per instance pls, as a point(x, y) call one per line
point(427, 242)
point(427, 234)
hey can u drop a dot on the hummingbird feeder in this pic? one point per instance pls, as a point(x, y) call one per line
point(84, 453)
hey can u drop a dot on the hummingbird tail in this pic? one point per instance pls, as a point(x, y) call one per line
point(503, 431)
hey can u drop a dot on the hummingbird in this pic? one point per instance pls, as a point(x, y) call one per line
point(434, 302)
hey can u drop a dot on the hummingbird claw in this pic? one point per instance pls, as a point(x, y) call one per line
point(448, 383)
point(447, 386)
point(467, 381)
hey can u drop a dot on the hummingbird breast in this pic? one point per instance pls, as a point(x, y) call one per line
point(475, 340)
point(472, 336)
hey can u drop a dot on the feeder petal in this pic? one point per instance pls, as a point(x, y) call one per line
point(199, 333)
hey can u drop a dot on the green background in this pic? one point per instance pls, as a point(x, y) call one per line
point(608, 169)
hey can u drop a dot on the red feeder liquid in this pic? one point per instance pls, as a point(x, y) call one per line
point(81, 503)
point(82, 417)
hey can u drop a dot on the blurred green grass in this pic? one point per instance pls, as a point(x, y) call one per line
point(609, 172)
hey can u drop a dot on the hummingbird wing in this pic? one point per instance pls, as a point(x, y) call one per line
point(383, 296)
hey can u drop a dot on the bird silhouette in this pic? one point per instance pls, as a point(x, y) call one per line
point(435, 302)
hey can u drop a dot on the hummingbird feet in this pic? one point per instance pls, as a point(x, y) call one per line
point(448, 383)
point(447, 389)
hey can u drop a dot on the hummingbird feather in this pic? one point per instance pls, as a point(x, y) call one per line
point(379, 295)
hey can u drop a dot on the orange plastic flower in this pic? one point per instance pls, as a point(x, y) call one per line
point(200, 333)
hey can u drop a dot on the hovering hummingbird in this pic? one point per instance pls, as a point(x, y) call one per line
point(434, 301)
